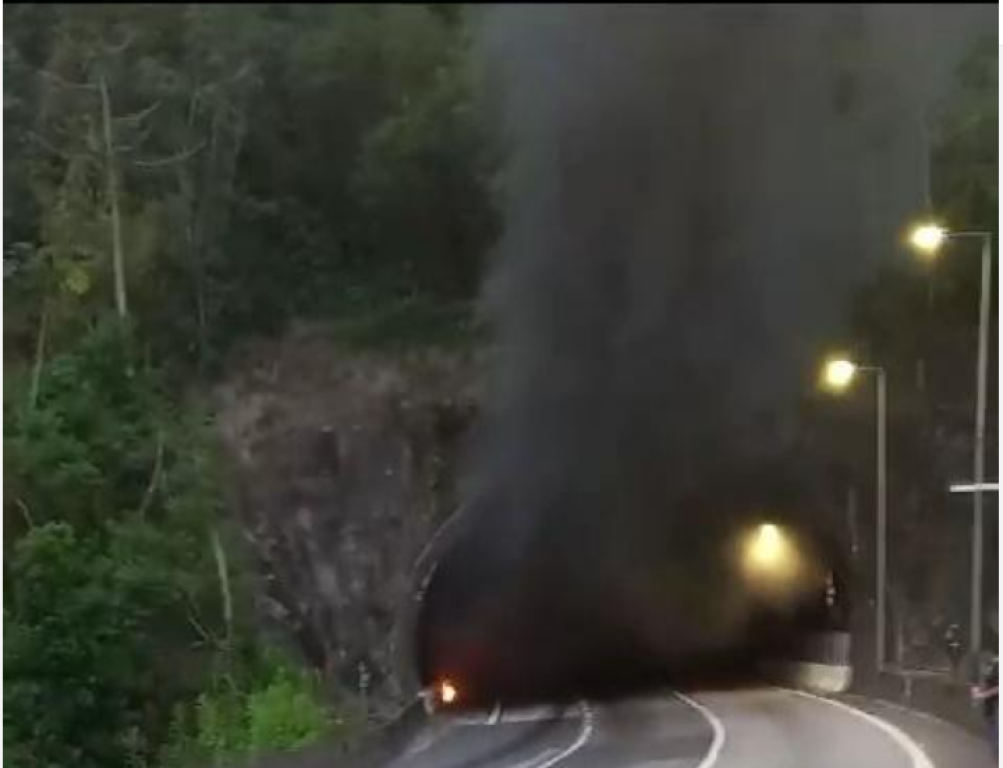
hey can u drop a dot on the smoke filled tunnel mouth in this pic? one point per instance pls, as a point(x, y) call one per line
point(499, 632)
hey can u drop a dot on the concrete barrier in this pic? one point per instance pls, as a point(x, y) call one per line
point(819, 678)
point(821, 664)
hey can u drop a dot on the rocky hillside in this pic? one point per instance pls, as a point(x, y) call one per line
point(342, 468)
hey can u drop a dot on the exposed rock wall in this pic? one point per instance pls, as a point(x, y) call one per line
point(343, 467)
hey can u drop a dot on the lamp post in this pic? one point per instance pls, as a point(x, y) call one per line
point(837, 375)
point(928, 239)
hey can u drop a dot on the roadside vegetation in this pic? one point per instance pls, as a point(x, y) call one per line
point(181, 178)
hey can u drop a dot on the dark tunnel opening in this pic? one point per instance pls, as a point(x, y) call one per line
point(676, 612)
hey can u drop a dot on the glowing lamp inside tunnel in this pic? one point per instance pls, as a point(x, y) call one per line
point(769, 554)
point(767, 547)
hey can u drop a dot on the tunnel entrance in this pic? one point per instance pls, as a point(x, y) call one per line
point(504, 629)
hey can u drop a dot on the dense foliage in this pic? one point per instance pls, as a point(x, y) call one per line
point(277, 708)
point(181, 177)
point(115, 606)
point(226, 168)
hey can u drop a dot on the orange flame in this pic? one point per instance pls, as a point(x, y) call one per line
point(447, 692)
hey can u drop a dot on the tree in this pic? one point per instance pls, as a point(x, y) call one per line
point(98, 115)
point(75, 675)
point(180, 178)
point(112, 511)
point(422, 179)
point(965, 162)
point(279, 709)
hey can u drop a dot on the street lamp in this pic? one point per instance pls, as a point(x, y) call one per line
point(928, 239)
point(838, 374)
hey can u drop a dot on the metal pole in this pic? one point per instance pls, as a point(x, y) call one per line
point(882, 516)
point(980, 445)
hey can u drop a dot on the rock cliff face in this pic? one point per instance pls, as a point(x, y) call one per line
point(342, 469)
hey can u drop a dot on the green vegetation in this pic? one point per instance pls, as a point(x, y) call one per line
point(115, 609)
point(279, 709)
point(182, 177)
point(211, 172)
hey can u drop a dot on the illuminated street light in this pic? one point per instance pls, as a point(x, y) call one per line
point(837, 375)
point(927, 239)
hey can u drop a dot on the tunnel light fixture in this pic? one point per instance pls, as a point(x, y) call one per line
point(767, 546)
point(770, 557)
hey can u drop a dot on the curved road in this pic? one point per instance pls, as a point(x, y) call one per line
point(758, 728)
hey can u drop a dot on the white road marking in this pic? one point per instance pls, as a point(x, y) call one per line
point(425, 740)
point(531, 762)
point(534, 714)
point(471, 720)
point(583, 736)
point(717, 743)
point(916, 754)
point(495, 714)
point(498, 715)
point(545, 759)
point(914, 713)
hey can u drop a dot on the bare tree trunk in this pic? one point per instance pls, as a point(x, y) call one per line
point(205, 234)
point(193, 242)
point(118, 257)
point(26, 512)
point(224, 587)
point(194, 236)
point(151, 489)
point(36, 371)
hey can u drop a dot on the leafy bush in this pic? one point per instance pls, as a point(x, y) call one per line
point(113, 605)
point(76, 659)
point(115, 615)
point(84, 448)
point(278, 711)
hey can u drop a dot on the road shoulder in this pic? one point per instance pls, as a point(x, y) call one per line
point(946, 744)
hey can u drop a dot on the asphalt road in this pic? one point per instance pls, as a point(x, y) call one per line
point(758, 728)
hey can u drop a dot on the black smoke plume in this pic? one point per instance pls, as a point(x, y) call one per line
point(690, 195)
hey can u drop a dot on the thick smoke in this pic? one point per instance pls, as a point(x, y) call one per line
point(689, 197)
